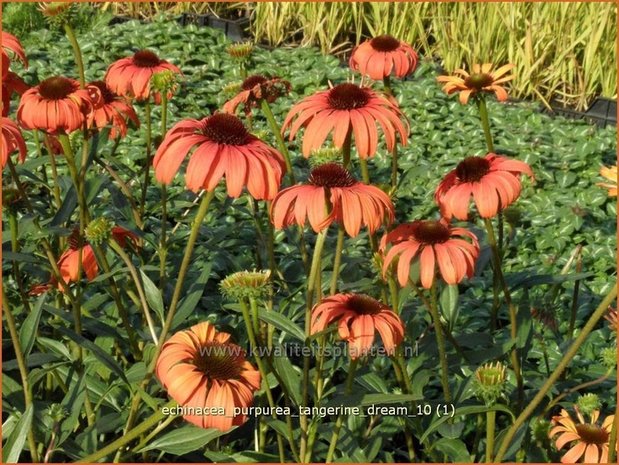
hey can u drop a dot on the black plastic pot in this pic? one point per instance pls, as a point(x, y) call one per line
point(235, 29)
point(603, 110)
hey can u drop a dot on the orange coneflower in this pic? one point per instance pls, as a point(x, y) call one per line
point(112, 110)
point(69, 262)
point(11, 140)
point(587, 439)
point(332, 194)
point(57, 104)
point(255, 89)
point(224, 148)
point(493, 181)
point(610, 173)
point(358, 318)
point(431, 243)
point(11, 83)
point(483, 79)
point(130, 77)
point(11, 43)
point(202, 369)
point(346, 110)
point(382, 55)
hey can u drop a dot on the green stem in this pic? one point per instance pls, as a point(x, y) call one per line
point(346, 149)
point(23, 371)
point(163, 244)
point(337, 260)
point(191, 242)
point(552, 379)
point(490, 425)
point(340, 419)
point(485, 122)
point(249, 325)
point(394, 154)
point(440, 341)
point(138, 284)
point(122, 311)
point(283, 148)
point(510, 304)
point(311, 283)
point(574, 307)
point(149, 135)
point(365, 174)
point(77, 53)
point(52, 159)
point(128, 436)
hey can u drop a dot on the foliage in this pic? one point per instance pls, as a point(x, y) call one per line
point(561, 211)
point(561, 50)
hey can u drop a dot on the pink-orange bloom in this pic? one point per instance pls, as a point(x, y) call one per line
point(383, 55)
point(223, 148)
point(492, 181)
point(69, 262)
point(12, 140)
point(56, 105)
point(358, 318)
point(254, 89)
point(112, 110)
point(12, 44)
point(11, 83)
point(610, 173)
point(332, 194)
point(431, 244)
point(346, 110)
point(483, 79)
point(587, 439)
point(130, 77)
point(202, 369)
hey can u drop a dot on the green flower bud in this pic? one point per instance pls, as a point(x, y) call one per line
point(588, 403)
point(609, 357)
point(164, 81)
point(246, 285)
point(325, 155)
point(57, 412)
point(99, 230)
point(490, 382)
point(240, 50)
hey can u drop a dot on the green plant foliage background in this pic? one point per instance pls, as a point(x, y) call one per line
point(561, 210)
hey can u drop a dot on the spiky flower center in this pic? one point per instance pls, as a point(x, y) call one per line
point(220, 360)
point(431, 232)
point(146, 59)
point(348, 97)
point(253, 81)
point(331, 175)
point(385, 43)
point(491, 374)
point(472, 169)
point(363, 304)
point(223, 128)
point(478, 81)
point(56, 88)
point(107, 95)
point(592, 434)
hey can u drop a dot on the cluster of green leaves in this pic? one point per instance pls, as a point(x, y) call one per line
point(560, 211)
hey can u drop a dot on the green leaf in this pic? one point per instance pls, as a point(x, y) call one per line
point(455, 450)
point(366, 400)
point(28, 331)
point(153, 296)
point(449, 304)
point(97, 351)
point(193, 296)
point(183, 440)
point(15, 443)
point(283, 323)
point(468, 410)
point(289, 377)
